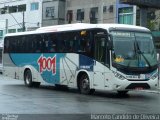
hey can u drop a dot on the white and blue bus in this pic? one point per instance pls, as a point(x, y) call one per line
point(89, 57)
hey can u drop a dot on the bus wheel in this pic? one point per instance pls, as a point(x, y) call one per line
point(122, 93)
point(36, 84)
point(28, 78)
point(84, 85)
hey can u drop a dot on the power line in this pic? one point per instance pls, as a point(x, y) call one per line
point(10, 26)
point(15, 19)
point(20, 23)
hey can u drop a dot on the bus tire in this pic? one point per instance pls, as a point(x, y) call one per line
point(122, 93)
point(36, 84)
point(84, 85)
point(28, 78)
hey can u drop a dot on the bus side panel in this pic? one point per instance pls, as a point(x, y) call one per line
point(68, 68)
point(49, 68)
point(98, 76)
point(10, 68)
point(109, 79)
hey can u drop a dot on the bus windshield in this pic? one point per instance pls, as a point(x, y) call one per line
point(133, 49)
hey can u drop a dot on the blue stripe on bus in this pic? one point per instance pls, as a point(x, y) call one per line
point(21, 60)
point(86, 63)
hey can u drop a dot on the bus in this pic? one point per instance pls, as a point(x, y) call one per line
point(87, 57)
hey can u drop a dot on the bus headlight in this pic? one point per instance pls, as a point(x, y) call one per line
point(119, 76)
point(154, 76)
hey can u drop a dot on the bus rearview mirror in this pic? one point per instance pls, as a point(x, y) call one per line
point(157, 56)
point(110, 42)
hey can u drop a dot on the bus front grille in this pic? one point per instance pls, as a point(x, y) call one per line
point(137, 79)
point(138, 86)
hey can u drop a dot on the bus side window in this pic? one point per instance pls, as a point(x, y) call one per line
point(85, 42)
point(52, 42)
point(6, 45)
point(29, 41)
point(65, 45)
point(26, 44)
point(33, 44)
point(47, 43)
point(43, 47)
point(38, 44)
point(12, 45)
point(61, 45)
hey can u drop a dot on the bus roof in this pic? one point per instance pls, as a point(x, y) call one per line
point(79, 26)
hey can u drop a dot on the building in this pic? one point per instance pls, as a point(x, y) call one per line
point(99, 11)
point(21, 15)
point(27, 15)
point(90, 11)
point(53, 12)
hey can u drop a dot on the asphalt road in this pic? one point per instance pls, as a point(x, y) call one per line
point(15, 99)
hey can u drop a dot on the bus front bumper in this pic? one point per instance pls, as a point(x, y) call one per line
point(135, 85)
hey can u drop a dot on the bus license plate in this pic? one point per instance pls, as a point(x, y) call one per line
point(139, 88)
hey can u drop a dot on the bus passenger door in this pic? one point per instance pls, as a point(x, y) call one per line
point(99, 55)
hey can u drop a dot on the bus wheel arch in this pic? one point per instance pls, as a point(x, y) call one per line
point(28, 78)
point(83, 83)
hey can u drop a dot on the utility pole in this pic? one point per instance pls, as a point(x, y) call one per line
point(23, 24)
point(6, 26)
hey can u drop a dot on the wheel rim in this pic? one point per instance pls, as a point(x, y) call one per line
point(28, 79)
point(85, 84)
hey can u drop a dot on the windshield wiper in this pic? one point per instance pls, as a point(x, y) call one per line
point(139, 52)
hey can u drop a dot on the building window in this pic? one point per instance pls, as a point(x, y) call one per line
point(69, 16)
point(111, 8)
point(125, 15)
point(34, 6)
point(104, 9)
point(80, 14)
point(12, 31)
point(49, 11)
point(94, 15)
